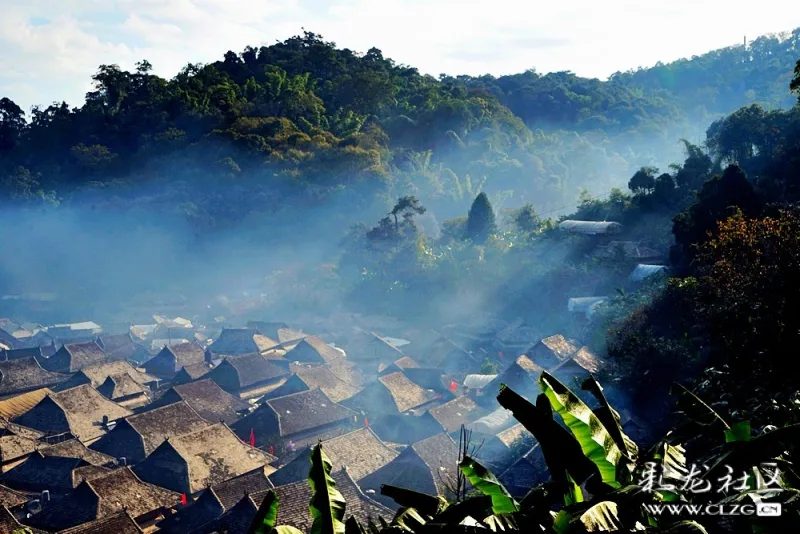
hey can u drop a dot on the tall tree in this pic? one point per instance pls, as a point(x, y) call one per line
point(12, 124)
point(719, 199)
point(644, 181)
point(695, 170)
point(525, 218)
point(406, 207)
point(795, 85)
point(481, 219)
point(398, 223)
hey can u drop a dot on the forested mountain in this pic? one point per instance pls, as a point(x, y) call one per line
point(303, 123)
point(288, 146)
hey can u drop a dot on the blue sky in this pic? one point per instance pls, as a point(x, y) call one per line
point(50, 48)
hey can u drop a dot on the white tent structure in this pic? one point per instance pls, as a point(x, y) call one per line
point(494, 423)
point(590, 227)
point(643, 271)
point(585, 305)
point(477, 381)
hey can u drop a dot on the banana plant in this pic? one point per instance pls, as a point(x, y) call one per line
point(589, 453)
point(266, 516)
point(594, 438)
point(485, 482)
point(566, 462)
point(327, 505)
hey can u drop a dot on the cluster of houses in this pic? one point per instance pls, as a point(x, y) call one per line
point(644, 261)
point(178, 428)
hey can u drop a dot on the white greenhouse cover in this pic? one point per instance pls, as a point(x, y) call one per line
point(477, 381)
point(643, 271)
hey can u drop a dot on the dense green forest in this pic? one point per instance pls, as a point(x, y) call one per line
point(303, 124)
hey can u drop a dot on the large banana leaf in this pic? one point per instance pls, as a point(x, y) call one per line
point(561, 451)
point(267, 513)
point(602, 517)
point(740, 431)
point(695, 409)
point(593, 437)
point(287, 529)
point(501, 523)
point(476, 507)
point(327, 504)
point(408, 519)
point(484, 481)
point(574, 495)
point(425, 504)
point(670, 467)
point(610, 419)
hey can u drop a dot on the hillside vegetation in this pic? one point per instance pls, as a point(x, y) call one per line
point(303, 123)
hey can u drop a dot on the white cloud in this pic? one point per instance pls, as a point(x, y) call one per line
point(40, 63)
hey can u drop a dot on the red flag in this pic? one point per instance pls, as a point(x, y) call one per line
point(252, 438)
point(272, 450)
point(453, 386)
point(183, 499)
point(366, 422)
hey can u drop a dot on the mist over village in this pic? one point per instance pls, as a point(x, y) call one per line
point(305, 288)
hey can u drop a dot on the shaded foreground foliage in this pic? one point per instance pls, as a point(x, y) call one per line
point(599, 480)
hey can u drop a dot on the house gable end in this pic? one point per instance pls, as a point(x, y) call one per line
point(47, 416)
point(165, 467)
point(226, 376)
point(123, 441)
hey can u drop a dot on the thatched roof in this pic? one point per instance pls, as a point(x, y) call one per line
point(212, 454)
point(138, 435)
point(361, 452)
point(25, 374)
point(246, 371)
point(392, 393)
point(338, 384)
point(19, 404)
point(103, 497)
point(428, 466)
point(459, 411)
point(306, 410)
point(74, 357)
point(313, 350)
point(241, 341)
point(72, 448)
point(120, 523)
point(296, 496)
point(206, 398)
point(79, 411)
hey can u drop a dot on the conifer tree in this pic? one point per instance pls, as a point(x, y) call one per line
point(481, 220)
